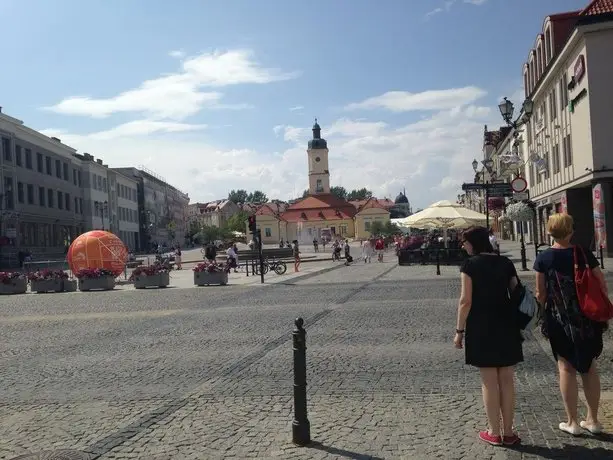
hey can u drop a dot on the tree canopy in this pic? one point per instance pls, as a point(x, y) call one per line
point(257, 196)
point(339, 192)
point(359, 194)
point(236, 223)
point(238, 196)
point(387, 228)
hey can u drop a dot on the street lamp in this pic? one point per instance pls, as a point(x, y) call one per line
point(475, 165)
point(506, 111)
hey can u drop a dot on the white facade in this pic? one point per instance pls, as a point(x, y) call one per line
point(95, 194)
point(126, 209)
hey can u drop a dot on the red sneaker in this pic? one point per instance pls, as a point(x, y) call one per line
point(511, 440)
point(494, 440)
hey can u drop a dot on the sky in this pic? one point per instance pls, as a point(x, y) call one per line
point(220, 95)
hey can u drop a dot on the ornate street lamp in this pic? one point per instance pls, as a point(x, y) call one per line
point(475, 165)
point(506, 108)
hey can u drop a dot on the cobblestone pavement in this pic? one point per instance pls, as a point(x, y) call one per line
point(206, 374)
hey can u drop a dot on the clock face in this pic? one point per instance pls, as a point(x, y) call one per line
point(317, 159)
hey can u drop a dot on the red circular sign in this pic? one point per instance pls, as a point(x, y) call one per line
point(519, 184)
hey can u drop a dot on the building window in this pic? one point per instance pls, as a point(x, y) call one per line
point(18, 155)
point(553, 105)
point(50, 198)
point(563, 92)
point(99, 178)
point(20, 192)
point(367, 225)
point(48, 165)
point(567, 151)
point(555, 159)
point(547, 165)
point(104, 189)
point(6, 149)
point(30, 189)
point(41, 196)
point(65, 170)
point(319, 187)
point(39, 162)
point(67, 201)
point(531, 173)
point(58, 169)
point(60, 200)
point(28, 158)
point(76, 205)
point(74, 176)
point(268, 232)
point(8, 193)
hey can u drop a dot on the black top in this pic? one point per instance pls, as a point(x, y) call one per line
point(492, 337)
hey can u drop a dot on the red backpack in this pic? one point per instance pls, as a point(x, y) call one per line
point(594, 303)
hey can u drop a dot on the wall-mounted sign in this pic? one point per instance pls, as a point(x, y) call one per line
point(579, 70)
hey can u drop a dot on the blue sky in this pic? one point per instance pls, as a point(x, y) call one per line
point(221, 95)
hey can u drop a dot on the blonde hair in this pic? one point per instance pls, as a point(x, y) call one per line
point(560, 226)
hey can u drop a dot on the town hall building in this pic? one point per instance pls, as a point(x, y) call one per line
point(320, 214)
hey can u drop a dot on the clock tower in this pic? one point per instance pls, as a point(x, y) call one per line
point(319, 175)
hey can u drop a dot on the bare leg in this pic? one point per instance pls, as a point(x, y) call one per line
point(568, 388)
point(591, 389)
point(491, 398)
point(506, 385)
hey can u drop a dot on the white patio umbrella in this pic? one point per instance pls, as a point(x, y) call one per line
point(446, 215)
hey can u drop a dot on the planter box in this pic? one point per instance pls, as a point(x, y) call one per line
point(55, 285)
point(160, 280)
point(206, 278)
point(16, 286)
point(69, 285)
point(105, 283)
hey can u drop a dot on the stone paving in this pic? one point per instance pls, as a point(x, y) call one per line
point(206, 373)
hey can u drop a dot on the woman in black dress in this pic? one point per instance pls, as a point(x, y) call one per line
point(576, 341)
point(487, 324)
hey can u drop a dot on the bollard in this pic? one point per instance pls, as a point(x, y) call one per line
point(438, 262)
point(301, 428)
point(601, 257)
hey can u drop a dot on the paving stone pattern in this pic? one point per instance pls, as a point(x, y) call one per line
point(206, 373)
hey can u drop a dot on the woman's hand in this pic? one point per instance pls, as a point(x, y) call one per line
point(458, 340)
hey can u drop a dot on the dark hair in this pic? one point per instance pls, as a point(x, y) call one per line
point(479, 239)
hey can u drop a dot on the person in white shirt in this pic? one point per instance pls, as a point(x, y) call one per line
point(232, 257)
point(494, 242)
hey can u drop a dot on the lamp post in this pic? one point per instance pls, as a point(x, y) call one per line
point(507, 108)
point(488, 165)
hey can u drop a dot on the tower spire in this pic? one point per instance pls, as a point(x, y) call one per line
point(316, 130)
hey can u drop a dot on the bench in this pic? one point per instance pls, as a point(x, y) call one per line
point(135, 263)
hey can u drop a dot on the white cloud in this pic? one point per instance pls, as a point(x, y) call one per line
point(179, 95)
point(178, 54)
point(475, 2)
point(296, 108)
point(404, 101)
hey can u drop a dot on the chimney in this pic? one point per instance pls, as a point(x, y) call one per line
point(99, 161)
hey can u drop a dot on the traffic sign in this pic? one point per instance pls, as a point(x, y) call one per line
point(519, 184)
point(520, 196)
point(499, 189)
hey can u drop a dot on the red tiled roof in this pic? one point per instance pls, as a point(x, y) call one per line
point(315, 215)
point(373, 202)
point(319, 207)
point(598, 7)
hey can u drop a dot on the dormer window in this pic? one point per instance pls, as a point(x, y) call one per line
point(303, 215)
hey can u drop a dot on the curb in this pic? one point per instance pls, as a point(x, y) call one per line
point(312, 274)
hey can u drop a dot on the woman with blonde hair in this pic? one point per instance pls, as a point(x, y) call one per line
point(576, 341)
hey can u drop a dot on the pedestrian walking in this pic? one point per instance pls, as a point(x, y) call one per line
point(366, 251)
point(178, 257)
point(487, 328)
point(296, 253)
point(576, 341)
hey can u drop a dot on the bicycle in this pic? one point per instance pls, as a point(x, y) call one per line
point(278, 266)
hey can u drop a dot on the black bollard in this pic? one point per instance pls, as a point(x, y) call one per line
point(601, 257)
point(438, 261)
point(301, 428)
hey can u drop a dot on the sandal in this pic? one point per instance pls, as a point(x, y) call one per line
point(570, 429)
point(594, 428)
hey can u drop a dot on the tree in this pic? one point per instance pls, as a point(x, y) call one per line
point(339, 192)
point(257, 196)
point(192, 230)
point(237, 223)
point(238, 196)
point(359, 194)
point(305, 193)
point(209, 233)
point(381, 228)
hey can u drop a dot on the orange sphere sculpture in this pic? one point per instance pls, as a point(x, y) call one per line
point(97, 249)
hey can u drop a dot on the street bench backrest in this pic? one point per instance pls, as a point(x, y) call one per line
point(276, 253)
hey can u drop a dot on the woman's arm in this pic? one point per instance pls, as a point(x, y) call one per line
point(466, 298)
point(541, 289)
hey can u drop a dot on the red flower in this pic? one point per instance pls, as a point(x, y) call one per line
point(47, 274)
point(94, 273)
point(151, 270)
point(211, 267)
point(8, 277)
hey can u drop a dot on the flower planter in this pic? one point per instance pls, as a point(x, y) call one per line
point(104, 283)
point(14, 286)
point(69, 285)
point(53, 285)
point(207, 278)
point(160, 280)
